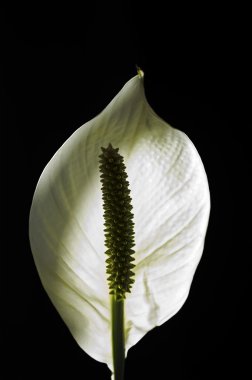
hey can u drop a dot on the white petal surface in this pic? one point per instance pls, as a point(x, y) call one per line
point(171, 204)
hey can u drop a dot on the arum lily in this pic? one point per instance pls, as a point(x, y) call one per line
point(171, 204)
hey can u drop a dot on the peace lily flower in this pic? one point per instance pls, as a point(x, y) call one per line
point(171, 204)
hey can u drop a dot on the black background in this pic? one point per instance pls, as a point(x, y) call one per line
point(62, 65)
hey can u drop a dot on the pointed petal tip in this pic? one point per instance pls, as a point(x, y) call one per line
point(139, 72)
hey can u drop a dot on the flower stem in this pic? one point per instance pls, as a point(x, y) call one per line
point(118, 351)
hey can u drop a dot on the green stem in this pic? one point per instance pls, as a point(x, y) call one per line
point(118, 338)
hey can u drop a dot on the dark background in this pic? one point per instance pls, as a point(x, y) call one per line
point(62, 65)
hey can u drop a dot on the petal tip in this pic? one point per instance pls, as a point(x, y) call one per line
point(140, 72)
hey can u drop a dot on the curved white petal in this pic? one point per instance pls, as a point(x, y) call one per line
point(171, 206)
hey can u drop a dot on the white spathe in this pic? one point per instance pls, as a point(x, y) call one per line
point(171, 205)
